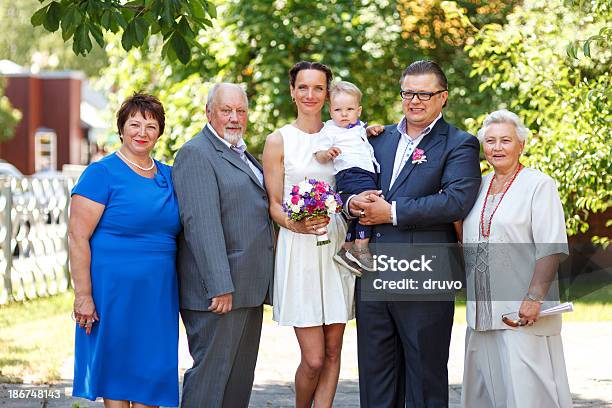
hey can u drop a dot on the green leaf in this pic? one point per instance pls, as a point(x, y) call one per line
point(197, 9)
point(81, 38)
point(155, 27)
point(52, 18)
point(168, 52)
point(180, 46)
point(127, 39)
point(166, 15)
point(184, 28)
point(118, 16)
point(71, 19)
point(212, 10)
point(587, 48)
point(96, 32)
point(141, 29)
point(105, 20)
point(571, 51)
point(39, 17)
point(92, 7)
point(66, 34)
point(135, 3)
point(114, 26)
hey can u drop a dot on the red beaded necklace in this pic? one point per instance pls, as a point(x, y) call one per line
point(486, 233)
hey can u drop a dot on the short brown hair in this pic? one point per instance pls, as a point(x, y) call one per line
point(426, 67)
point(147, 105)
point(310, 65)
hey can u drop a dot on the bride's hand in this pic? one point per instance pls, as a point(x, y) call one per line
point(314, 226)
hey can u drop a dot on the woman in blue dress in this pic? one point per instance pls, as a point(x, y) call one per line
point(124, 221)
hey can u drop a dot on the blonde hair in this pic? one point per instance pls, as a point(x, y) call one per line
point(345, 87)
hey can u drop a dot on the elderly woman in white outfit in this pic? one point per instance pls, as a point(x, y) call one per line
point(514, 238)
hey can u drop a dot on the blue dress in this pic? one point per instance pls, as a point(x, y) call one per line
point(132, 352)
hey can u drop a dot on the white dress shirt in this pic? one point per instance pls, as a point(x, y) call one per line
point(405, 148)
point(353, 144)
point(246, 159)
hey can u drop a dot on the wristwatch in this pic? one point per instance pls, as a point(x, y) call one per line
point(531, 296)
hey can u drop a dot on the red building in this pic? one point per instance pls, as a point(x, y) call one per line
point(52, 131)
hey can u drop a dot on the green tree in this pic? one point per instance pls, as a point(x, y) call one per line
point(9, 116)
point(183, 96)
point(565, 101)
point(177, 21)
point(256, 42)
point(368, 44)
point(37, 48)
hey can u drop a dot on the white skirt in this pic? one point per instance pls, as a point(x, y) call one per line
point(512, 369)
point(310, 289)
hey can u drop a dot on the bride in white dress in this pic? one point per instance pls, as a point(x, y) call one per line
point(311, 292)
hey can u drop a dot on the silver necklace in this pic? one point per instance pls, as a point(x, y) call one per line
point(135, 165)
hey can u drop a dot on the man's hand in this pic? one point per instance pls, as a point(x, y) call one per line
point(374, 130)
point(221, 304)
point(375, 212)
point(362, 197)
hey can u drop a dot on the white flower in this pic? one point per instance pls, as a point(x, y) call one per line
point(422, 159)
point(295, 208)
point(331, 204)
point(300, 203)
point(304, 187)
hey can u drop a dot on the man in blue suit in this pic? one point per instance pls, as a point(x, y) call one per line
point(429, 178)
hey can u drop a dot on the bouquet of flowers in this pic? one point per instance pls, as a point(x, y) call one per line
point(313, 198)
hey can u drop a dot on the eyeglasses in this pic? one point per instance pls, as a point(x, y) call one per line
point(423, 96)
point(513, 322)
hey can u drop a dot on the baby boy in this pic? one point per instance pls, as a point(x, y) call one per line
point(343, 140)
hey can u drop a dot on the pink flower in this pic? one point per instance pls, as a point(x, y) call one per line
point(296, 189)
point(418, 154)
point(295, 199)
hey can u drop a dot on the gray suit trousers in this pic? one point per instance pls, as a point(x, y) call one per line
point(224, 350)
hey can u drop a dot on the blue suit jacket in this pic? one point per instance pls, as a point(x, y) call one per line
point(429, 196)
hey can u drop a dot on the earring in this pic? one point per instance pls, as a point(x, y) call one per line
point(292, 99)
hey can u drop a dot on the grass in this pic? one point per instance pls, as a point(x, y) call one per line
point(37, 337)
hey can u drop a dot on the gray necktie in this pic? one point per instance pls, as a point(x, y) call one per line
point(241, 152)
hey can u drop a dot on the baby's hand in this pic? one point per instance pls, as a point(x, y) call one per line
point(374, 130)
point(333, 152)
point(325, 156)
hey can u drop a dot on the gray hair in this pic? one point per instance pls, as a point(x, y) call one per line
point(503, 116)
point(213, 91)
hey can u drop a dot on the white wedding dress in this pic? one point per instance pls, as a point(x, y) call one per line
point(310, 289)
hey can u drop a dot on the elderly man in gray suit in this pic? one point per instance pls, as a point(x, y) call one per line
point(225, 254)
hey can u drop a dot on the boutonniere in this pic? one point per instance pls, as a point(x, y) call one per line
point(418, 156)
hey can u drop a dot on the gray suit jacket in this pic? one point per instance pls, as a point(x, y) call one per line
point(227, 242)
